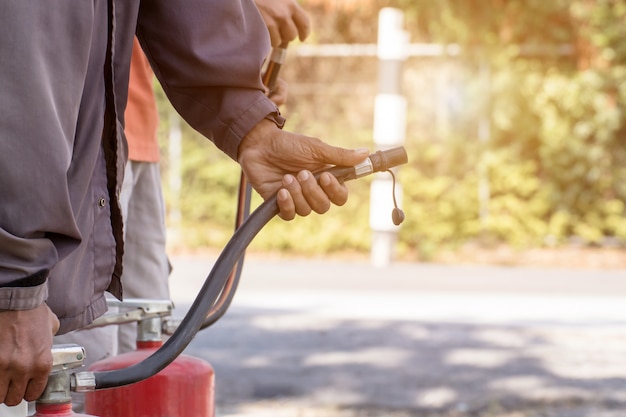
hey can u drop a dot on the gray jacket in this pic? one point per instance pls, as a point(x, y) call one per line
point(63, 87)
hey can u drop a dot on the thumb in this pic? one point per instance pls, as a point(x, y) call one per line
point(334, 155)
point(53, 321)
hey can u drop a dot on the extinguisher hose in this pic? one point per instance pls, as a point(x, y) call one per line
point(227, 294)
point(270, 77)
point(214, 283)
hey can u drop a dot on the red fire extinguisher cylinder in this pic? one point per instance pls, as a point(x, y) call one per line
point(184, 388)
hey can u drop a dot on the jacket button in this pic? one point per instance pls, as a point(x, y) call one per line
point(102, 202)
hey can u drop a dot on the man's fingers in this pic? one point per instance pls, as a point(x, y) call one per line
point(4, 386)
point(292, 185)
point(274, 35)
point(288, 31)
point(40, 373)
point(54, 323)
point(302, 22)
point(279, 94)
point(314, 194)
point(286, 207)
point(15, 393)
point(302, 195)
point(338, 193)
point(286, 24)
point(35, 388)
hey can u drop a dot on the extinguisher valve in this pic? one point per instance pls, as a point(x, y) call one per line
point(64, 358)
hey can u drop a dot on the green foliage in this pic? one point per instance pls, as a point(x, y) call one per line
point(441, 200)
point(316, 235)
point(519, 140)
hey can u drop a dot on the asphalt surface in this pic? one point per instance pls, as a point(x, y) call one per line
point(342, 339)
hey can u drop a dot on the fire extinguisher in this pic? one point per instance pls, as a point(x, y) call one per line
point(56, 400)
point(184, 388)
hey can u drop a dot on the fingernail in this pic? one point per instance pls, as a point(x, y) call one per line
point(288, 179)
point(303, 175)
point(325, 179)
point(363, 151)
point(282, 194)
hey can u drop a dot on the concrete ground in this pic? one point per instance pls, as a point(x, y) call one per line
point(345, 339)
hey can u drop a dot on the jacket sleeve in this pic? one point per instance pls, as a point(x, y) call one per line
point(208, 56)
point(24, 293)
point(39, 102)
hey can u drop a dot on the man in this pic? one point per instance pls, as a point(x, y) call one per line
point(62, 155)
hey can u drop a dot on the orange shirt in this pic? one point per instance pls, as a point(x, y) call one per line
point(141, 115)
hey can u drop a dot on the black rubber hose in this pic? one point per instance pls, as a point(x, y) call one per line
point(228, 291)
point(270, 76)
point(198, 311)
point(214, 284)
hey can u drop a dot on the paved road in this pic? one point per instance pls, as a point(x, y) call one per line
point(326, 338)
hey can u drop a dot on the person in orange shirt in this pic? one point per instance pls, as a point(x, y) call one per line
point(145, 266)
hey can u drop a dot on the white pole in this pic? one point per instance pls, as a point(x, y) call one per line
point(484, 135)
point(389, 129)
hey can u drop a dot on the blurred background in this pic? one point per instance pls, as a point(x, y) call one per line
point(514, 123)
point(503, 293)
point(515, 129)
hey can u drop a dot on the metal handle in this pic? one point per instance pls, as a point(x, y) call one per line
point(66, 357)
point(277, 59)
point(140, 310)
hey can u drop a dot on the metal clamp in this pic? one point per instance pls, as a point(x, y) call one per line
point(83, 381)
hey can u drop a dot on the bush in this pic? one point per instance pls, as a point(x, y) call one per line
point(513, 142)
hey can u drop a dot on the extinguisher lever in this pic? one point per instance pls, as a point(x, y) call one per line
point(133, 310)
point(66, 357)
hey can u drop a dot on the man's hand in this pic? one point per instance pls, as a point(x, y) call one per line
point(285, 20)
point(25, 353)
point(273, 159)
